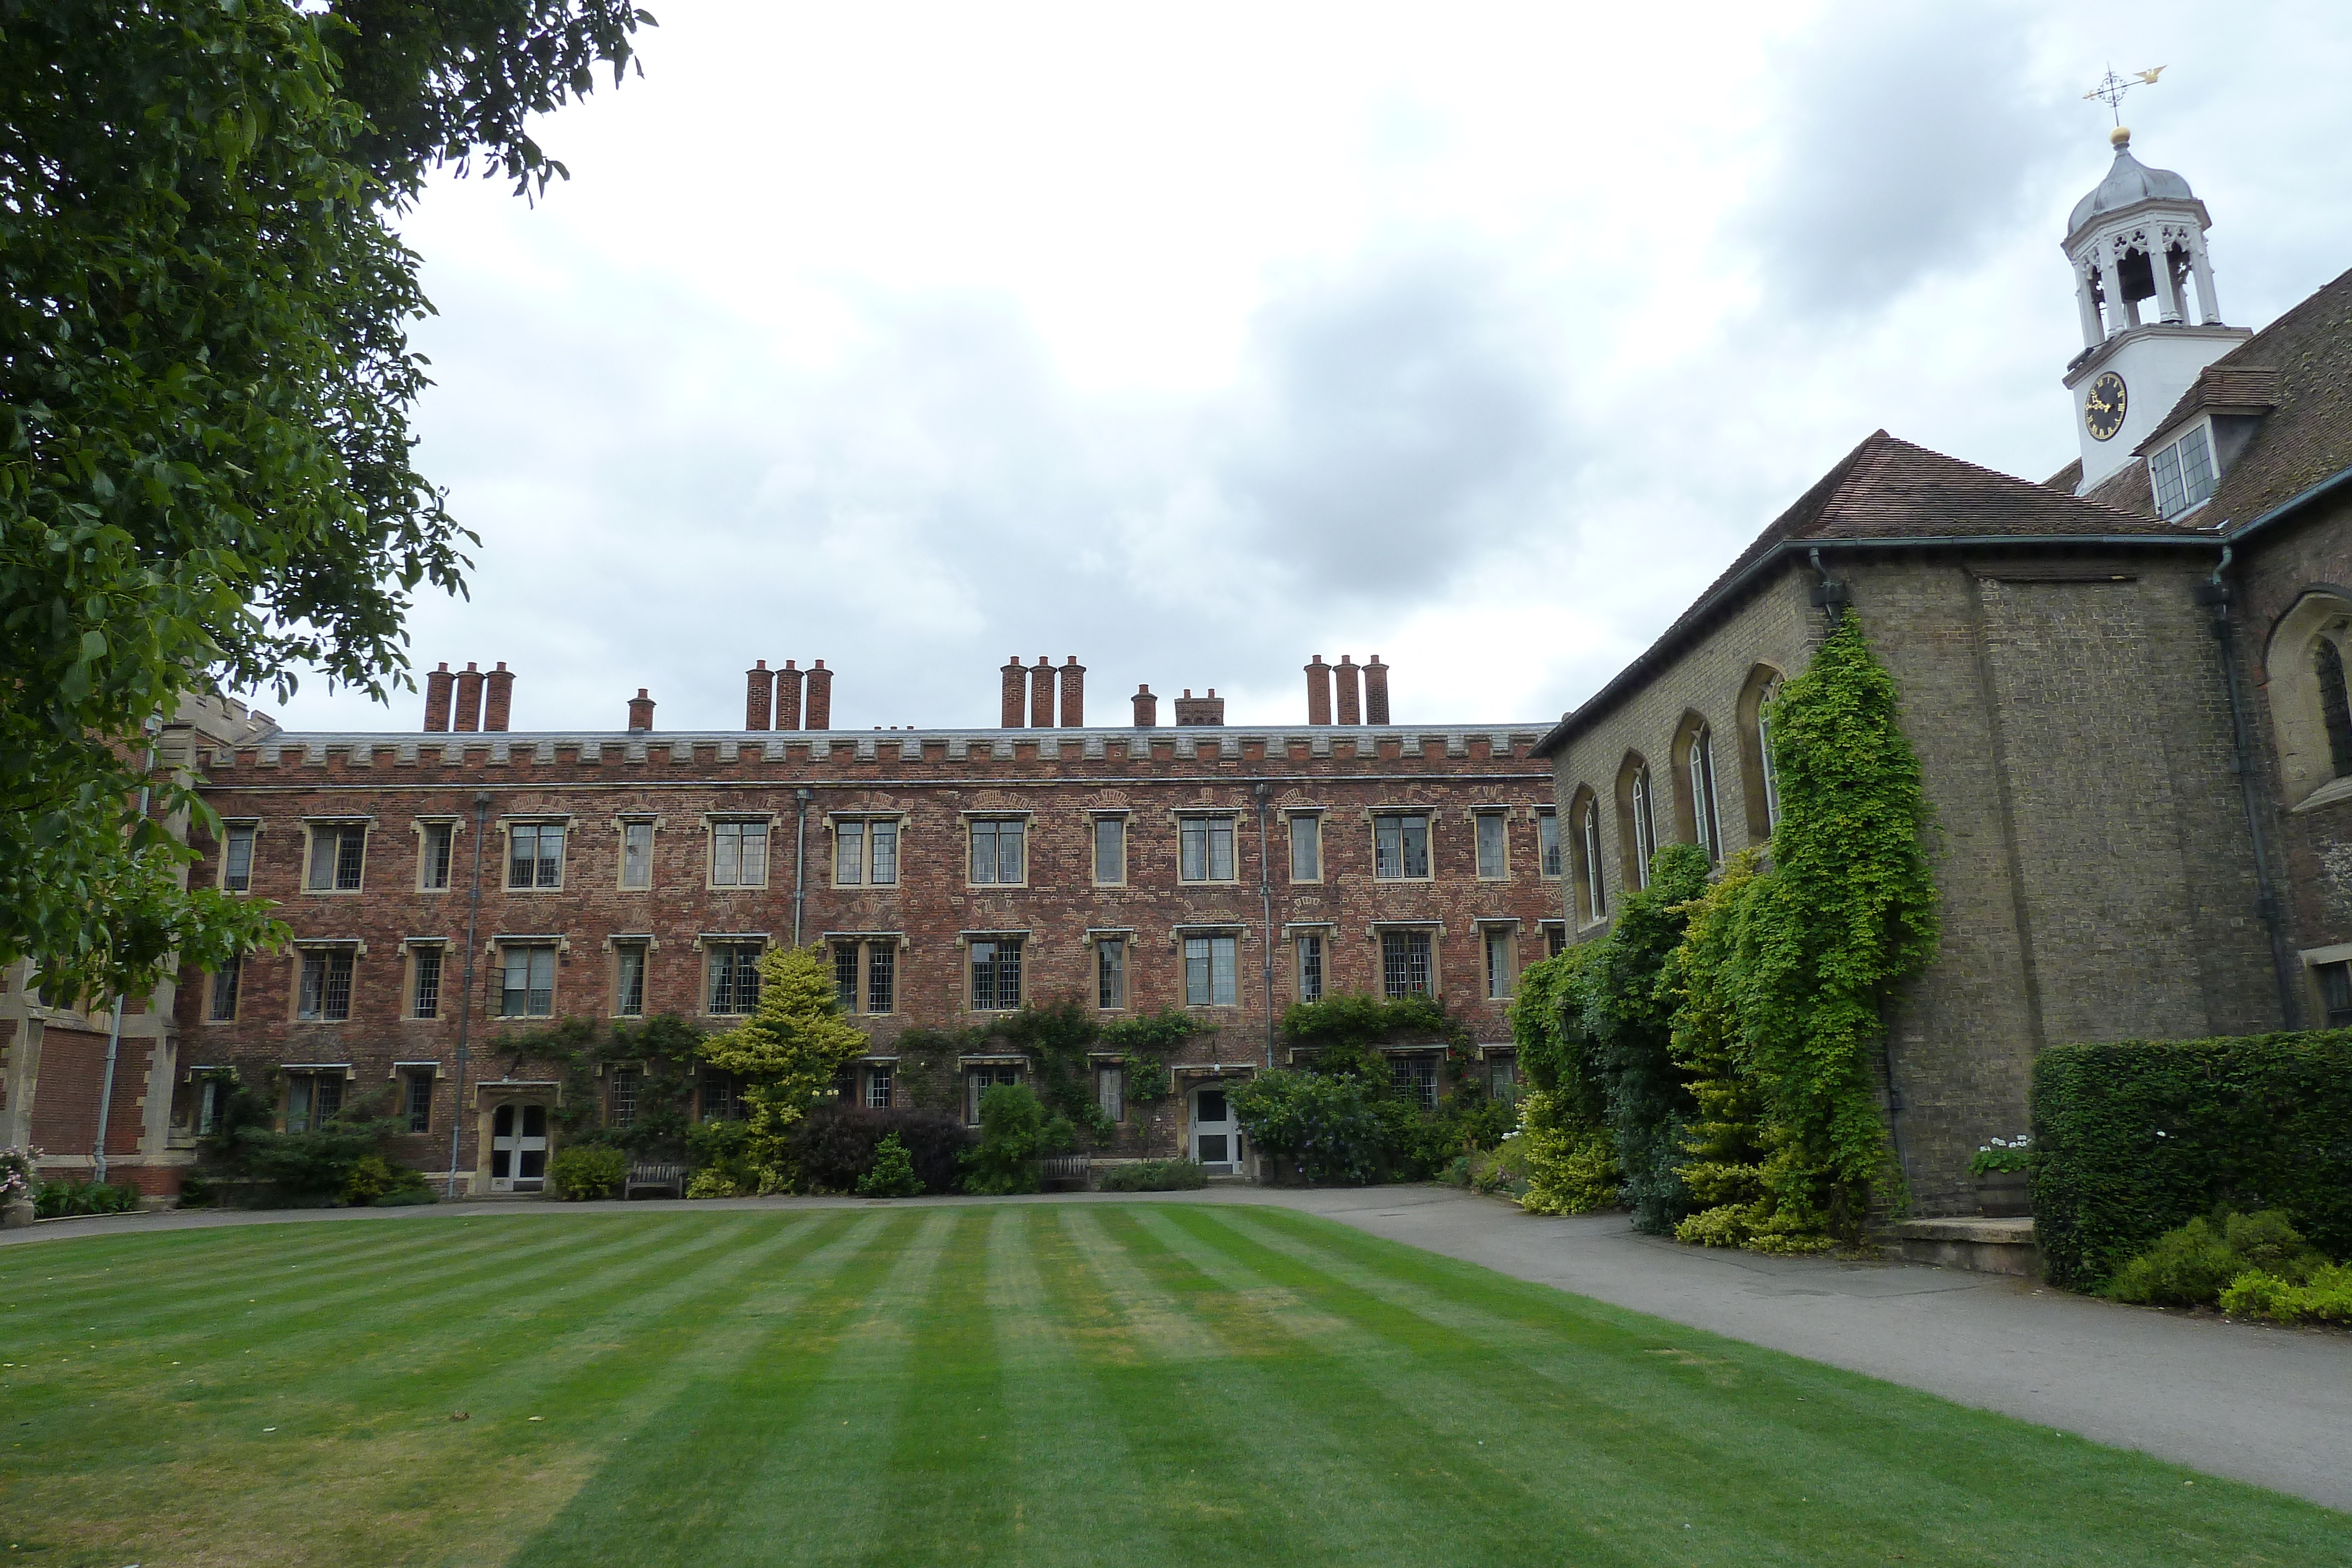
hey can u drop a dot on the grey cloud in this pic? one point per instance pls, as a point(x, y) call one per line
point(1388, 411)
point(1911, 136)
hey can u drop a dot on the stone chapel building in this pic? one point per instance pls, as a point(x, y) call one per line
point(2125, 686)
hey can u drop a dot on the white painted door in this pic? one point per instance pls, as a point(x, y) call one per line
point(519, 1148)
point(1216, 1135)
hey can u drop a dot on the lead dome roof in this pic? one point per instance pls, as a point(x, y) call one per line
point(2129, 181)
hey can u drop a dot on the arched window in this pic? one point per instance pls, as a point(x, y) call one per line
point(2304, 688)
point(1596, 897)
point(1706, 826)
point(2335, 709)
point(1644, 835)
point(1760, 783)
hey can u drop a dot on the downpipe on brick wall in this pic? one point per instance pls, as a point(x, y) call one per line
point(1262, 789)
point(114, 1030)
point(800, 849)
point(465, 985)
point(2215, 594)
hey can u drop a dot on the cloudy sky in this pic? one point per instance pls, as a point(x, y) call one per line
point(1197, 340)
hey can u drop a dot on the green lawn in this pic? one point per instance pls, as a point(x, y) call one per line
point(1137, 1385)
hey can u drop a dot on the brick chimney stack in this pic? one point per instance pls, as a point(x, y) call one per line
point(1147, 708)
point(1041, 694)
point(1351, 708)
point(1017, 691)
point(439, 688)
point(468, 716)
point(759, 696)
point(1074, 694)
point(788, 696)
point(1318, 691)
point(640, 711)
point(820, 696)
point(1209, 709)
point(497, 696)
point(1376, 691)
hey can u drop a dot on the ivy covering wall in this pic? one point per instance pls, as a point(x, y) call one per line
point(1722, 1032)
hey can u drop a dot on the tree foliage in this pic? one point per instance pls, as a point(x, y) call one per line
point(205, 474)
point(787, 1054)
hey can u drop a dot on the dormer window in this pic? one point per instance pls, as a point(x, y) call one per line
point(2182, 473)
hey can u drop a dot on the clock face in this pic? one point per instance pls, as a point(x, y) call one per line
point(2102, 408)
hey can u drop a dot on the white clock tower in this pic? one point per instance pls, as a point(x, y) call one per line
point(2139, 241)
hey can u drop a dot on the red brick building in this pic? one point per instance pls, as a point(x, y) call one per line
point(469, 882)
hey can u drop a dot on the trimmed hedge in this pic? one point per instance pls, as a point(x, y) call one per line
point(2135, 1138)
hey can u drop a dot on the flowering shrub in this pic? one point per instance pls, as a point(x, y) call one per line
point(16, 1177)
point(2003, 1155)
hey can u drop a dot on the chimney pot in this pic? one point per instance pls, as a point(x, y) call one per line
point(640, 711)
point(788, 694)
point(1147, 708)
point(1041, 694)
point(1074, 694)
point(1013, 704)
point(497, 697)
point(440, 686)
point(1376, 691)
point(820, 697)
point(1318, 691)
point(468, 716)
point(1352, 707)
point(759, 696)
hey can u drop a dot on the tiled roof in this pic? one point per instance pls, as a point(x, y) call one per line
point(2307, 437)
point(2126, 487)
point(1888, 490)
point(2225, 386)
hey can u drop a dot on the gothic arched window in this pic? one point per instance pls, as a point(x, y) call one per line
point(2335, 709)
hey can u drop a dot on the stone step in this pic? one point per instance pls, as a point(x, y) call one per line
point(1975, 1243)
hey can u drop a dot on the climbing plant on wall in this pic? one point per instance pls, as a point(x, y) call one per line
point(1783, 971)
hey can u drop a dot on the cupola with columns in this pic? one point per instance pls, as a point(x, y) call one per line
point(2137, 247)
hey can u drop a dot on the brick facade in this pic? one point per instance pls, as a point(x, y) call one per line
point(931, 786)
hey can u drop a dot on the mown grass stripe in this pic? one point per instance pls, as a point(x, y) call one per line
point(1869, 1464)
point(697, 1485)
point(945, 1483)
point(1305, 1403)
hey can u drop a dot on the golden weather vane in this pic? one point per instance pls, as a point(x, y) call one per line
point(2112, 87)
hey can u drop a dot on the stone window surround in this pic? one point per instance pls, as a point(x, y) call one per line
point(866, 854)
point(711, 823)
point(310, 824)
point(1028, 820)
point(622, 822)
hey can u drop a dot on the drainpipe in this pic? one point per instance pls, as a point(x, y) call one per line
point(114, 1032)
point(466, 984)
point(1262, 791)
point(2215, 594)
point(800, 856)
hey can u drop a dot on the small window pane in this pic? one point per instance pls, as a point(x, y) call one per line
point(881, 978)
point(551, 856)
point(1547, 842)
point(1196, 971)
point(325, 844)
point(1111, 1091)
point(849, 854)
point(1110, 972)
point(877, 1087)
point(236, 860)
point(630, 1000)
point(428, 983)
point(1493, 859)
point(522, 854)
point(1224, 990)
point(351, 849)
point(625, 1084)
point(637, 854)
point(1310, 968)
point(1111, 848)
point(2196, 468)
point(1404, 963)
point(1306, 848)
point(434, 873)
point(884, 868)
point(225, 981)
point(2164, 473)
point(1192, 843)
point(845, 975)
point(419, 1107)
point(1498, 965)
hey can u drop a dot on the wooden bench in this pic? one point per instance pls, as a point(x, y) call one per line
point(1068, 1173)
point(654, 1178)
